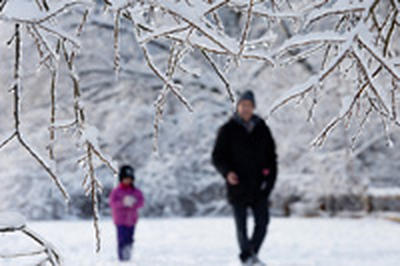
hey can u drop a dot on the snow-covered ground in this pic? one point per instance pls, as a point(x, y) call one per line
point(211, 242)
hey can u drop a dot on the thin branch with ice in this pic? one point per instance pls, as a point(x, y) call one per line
point(16, 91)
point(93, 187)
point(174, 89)
point(220, 75)
point(117, 57)
point(246, 28)
point(302, 90)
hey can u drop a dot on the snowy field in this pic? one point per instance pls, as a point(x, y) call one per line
point(211, 242)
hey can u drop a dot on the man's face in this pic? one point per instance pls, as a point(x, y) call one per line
point(127, 181)
point(245, 109)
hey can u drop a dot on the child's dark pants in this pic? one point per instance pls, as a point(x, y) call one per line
point(125, 241)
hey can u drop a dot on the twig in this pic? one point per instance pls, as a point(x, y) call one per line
point(161, 99)
point(216, 7)
point(393, 95)
point(55, 179)
point(46, 18)
point(378, 58)
point(200, 29)
point(52, 113)
point(365, 72)
point(4, 143)
point(164, 33)
point(83, 22)
point(390, 33)
point(52, 254)
point(220, 75)
point(93, 192)
point(3, 4)
point(343, 11)
point(309, 85)
point(117, 57)
point(16, 90)
point(104, 160)
point(246, 28)
point(59, 35)
point(18, 255)
point(171, 86)
point(360, 128)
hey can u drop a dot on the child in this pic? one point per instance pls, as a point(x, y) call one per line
point(125, 200)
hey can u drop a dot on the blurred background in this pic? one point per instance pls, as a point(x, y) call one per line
point(338, 179)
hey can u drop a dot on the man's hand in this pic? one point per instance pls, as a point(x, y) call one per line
point(232, 178)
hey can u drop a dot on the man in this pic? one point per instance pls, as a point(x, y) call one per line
point(244, 154)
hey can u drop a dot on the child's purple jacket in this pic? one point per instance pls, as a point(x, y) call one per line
point(121, 214)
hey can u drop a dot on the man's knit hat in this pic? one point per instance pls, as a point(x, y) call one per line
point(248, 95)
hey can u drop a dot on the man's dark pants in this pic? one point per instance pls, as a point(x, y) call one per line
point(250, 246)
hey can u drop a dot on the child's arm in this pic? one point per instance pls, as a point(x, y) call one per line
point(139, 199)
point(115, 201)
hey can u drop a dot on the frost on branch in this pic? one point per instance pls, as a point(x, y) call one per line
point(14, 223)
point(359, 44)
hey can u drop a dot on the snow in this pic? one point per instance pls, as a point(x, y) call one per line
point(90, 134)
point(11, 220)
point(28, 10)
point(387, 192)
point(195, 14)
point(264, 11)
point(340, 7)
point(200, 42)
point(23, 9)
point(387, 64)
point(296, 91)
point(211, 241)
point(118, 4)
point(310, 38)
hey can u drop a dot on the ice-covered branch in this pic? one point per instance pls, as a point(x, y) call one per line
point(37, 21)
point(16, 91)
point(161, 99)
point(209, 32)
point(368, 76)
point(117, 58)
point(385, 63)
point(362, 45)
point(15, 223)
point(18, 255)
point(53, 256)
point(220, 75)
point(6, 141)
point(335, 10)
point(52, 113)
point(311, 38)
point(175, 90)
point(3, 3)
point(246, 27)
point(302, 90)
point(93, 188)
